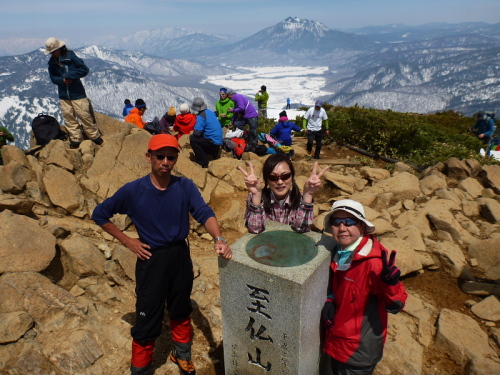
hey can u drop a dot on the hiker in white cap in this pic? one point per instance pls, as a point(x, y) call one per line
point(66, 70)
point(364, 287)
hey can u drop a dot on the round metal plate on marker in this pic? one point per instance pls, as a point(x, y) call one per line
point(281, 248)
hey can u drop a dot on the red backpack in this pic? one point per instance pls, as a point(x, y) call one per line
point(240, 147)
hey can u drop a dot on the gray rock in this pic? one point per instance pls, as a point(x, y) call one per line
point(481, 289)
point(452, 259)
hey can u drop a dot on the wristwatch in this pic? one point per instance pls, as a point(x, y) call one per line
point(221, 239)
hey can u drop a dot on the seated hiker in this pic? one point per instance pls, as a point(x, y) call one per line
point(185, 121)
point(282, 131)
point(128, 107)
point(279, 198)
point(207, 136)
point(168, 119)
point(135, 114)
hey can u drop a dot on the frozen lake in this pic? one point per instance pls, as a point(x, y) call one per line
point(301, 84)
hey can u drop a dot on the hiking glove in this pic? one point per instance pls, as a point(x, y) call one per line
point(328, 312)
point(390, 273)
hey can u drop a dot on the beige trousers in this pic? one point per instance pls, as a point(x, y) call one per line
point(80, 109)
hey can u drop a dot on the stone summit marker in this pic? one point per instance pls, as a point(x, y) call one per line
point(272, 293)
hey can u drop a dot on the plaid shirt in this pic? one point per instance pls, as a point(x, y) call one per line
point(300, 219)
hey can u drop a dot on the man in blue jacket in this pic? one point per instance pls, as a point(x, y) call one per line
point(159, 204)
point(66, 70)
point(484, 127)
point(207, 135)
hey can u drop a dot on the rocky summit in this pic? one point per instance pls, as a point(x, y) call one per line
point(67, 288)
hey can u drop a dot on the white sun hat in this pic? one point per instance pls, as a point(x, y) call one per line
point(354, 208)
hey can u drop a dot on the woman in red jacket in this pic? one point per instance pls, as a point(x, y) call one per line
point(364, 287)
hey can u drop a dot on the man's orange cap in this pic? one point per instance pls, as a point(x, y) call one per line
point(163, 140)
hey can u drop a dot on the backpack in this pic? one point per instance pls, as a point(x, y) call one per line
point(260, 150)
point(240, 147)
point(228, 144)
point(287, 150)
point(154, 127)
point(46, 128)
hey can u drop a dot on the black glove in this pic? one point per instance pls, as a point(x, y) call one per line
point(390, 273)
point(328, 312)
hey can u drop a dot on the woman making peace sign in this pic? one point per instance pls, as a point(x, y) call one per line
point(279, 198)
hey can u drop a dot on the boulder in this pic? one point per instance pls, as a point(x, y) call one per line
point(471, 186)
point(481, 289)
point(490, 210)
point(126, 259)
point(452, 259)
point(487, 309)
point(13, 177)
point(432, 183)
point(73, 351)
point(49, 305)
point(118, 161)
point(490, 175)
point(464, 344)
point(425, 314)
point(406, 260)
point(63, 189)
point(56, 153)
point(374, 174)
point(187, 168)
point(403, 186)
point(340, 181)
point(16, 204)
point(457, 169)
point(487, 255)
point(24, 245)
point(31, 360)
point(401, 350)
point(12, 153)
point(81, 257)
point(14, 325)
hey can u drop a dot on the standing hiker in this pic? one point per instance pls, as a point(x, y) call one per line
point(159, 205)
point(66, 70)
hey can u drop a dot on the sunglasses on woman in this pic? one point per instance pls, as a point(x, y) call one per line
point(161, 157)
point(347, 221)
point(283, 177)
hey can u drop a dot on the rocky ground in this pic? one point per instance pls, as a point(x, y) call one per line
point(67, 290)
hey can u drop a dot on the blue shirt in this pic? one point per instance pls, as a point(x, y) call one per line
point(207, 122)
point(161, 217)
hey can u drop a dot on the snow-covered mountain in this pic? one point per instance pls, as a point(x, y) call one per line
point(454, 72)
point(167, 42)
point(26, 89)
point(424, 69)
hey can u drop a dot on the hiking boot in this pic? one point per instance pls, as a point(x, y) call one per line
point(98, 141)
point(186, 367)
point(140, 370)
point(74, 145)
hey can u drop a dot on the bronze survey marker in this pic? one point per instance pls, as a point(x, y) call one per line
point(281, 248)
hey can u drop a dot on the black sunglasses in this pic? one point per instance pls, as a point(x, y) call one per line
point(283, 177)
point(347, 221)
point(161, 157)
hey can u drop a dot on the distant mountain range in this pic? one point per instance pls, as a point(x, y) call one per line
point(422, 69)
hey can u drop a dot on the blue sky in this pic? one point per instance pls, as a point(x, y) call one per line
point(83, 20)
